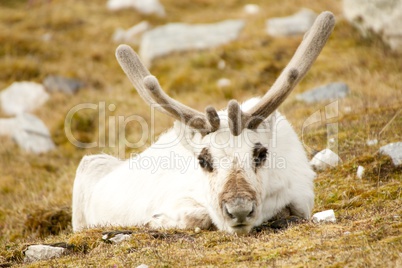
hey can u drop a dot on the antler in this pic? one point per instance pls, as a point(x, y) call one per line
point(307, 52)
point(149, 89)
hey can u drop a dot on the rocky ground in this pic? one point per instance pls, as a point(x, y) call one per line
point(65, 50)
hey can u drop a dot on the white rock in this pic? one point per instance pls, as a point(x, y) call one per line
point(146, 7)
point(223, 82)
point(360, 172)
point(347, 109)
point(372, 142)
point(197, 230)
point(393, 150)
point(42, 252)
point(173, 37)
point(347, 233)
point(221, 65)
point(296, 24)
point(132, 35)
point(29, 132)
point(32, 134)
point(142, 266)
point(251, 9)
point(47, 37)
point(325, 159)
point(22, 97)
point(324, 216)
point(117, 239)
point(383, 17)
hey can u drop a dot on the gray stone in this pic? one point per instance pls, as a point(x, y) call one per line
point(54, 83)
point(331, 91)
point(32, 134)
point(296, 24)
point(42, 252)
point(393, 150)
point(383, 17)
point(131, 35)
point(146, 7)
point(181, 37)
point(22, 97)
point(116, 239)
point(29, 132)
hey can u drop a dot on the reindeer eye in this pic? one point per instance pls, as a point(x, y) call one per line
point(259, 154)
point(205, 164)
point(204, 159)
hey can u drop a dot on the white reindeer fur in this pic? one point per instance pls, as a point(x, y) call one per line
point(110, 192)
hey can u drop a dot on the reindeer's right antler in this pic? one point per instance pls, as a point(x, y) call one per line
point(311, 46)
point(149, 89)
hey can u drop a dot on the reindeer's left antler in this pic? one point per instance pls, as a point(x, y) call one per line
point(311, 46)
point(149, 89)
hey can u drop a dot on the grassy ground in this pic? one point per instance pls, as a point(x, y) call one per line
point(35, 191)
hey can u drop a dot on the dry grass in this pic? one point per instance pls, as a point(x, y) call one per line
point(35, 191)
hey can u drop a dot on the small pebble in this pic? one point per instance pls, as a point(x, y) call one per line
point(360, 172)
point(372, 142)
point(221, 65)
point(347, 109)
point(324, 216)
point(251, 9)
point(197, 230)
point(224, 82)
point(118, 238)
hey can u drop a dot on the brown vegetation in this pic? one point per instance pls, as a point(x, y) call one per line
point(35, 190)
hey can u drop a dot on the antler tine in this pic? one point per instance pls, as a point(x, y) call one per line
point(176, 109)
point(135, 71)
point(213, 118)
point(307, 52)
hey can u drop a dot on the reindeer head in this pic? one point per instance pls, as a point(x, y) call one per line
point(232, 146)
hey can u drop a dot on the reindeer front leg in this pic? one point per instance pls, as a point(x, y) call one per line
point(185, 214)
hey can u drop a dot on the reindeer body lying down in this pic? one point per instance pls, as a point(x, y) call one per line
point(243, 165)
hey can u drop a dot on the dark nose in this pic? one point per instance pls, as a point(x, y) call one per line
point(239, 210)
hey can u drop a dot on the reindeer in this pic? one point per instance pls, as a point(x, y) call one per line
point(229, 183)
